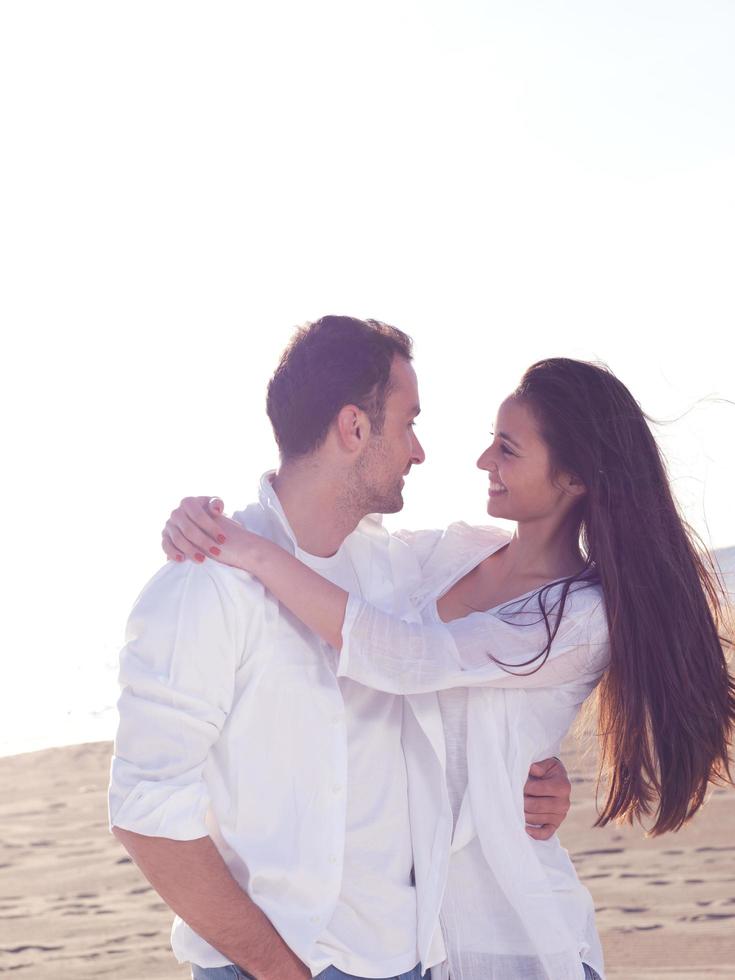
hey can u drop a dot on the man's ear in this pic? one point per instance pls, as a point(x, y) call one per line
point(352, 427)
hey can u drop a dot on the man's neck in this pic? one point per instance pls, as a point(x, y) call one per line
point(313, 503)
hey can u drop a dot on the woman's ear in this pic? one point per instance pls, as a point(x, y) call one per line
point(573, 485)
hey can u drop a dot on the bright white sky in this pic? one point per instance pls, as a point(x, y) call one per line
point(183, 183)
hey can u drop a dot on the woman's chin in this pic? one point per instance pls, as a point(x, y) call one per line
point(497, 507)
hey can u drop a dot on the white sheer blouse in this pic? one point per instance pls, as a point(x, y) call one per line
point(513, 908)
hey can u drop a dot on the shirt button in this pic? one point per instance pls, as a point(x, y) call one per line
point(333, 859)
point(337, 788)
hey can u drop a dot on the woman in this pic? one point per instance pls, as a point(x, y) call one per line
point(599, 581)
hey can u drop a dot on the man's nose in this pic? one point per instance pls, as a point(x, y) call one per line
point(418, 455)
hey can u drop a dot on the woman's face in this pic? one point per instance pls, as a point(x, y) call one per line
point(519, 466)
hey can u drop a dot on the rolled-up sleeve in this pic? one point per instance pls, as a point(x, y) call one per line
point(186, 639)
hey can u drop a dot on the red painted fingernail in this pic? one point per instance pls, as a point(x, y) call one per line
point(199, 557)
point(214, 551)
point(221, 538)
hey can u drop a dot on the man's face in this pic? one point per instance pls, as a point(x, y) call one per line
point(390, 454)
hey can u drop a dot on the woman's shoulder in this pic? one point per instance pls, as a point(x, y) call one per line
point(465, 544)
point(444, 554)
point(422, 542)
point(458, 538)
point(477, 534)
point(585, 620)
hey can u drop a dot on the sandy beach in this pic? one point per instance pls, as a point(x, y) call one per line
point(73, 906)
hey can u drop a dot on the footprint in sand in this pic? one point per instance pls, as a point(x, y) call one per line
point(30, 949)
point(706, 917)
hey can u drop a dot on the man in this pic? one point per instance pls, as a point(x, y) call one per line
point(297, 824)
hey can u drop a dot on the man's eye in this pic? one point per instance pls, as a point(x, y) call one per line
point(506, 451)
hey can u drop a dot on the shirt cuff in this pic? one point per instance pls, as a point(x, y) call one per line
point(157, 809)
point(352, 611)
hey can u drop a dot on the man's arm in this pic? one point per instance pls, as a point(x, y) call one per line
point(546, 798)
point(187, 638)
point(191, 877)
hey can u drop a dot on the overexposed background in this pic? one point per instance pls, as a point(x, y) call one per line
point(183, 183)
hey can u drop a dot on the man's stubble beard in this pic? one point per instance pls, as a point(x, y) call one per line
point(365, 492)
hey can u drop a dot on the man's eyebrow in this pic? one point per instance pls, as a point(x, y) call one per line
point(504, 435)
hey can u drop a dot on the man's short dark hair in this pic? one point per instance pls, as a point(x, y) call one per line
point(333, 362)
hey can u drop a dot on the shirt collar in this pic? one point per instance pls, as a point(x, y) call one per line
point(272, 505)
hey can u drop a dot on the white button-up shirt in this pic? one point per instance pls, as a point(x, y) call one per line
point(513, 907)
point(233, 725)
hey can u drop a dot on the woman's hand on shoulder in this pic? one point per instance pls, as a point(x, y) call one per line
point(198, 529)
point(192, 530)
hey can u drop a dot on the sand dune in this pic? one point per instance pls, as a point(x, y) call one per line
point(73, 906)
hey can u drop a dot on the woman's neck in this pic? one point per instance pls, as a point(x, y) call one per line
point(544, 549)
point(536, 555)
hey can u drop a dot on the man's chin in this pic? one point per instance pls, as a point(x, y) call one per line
point(390, 505)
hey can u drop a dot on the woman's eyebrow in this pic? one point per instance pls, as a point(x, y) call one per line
point(504, 435)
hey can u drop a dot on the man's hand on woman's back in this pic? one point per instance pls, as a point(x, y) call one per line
point(546, 798)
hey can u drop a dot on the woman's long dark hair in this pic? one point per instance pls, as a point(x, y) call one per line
point(667, 700)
